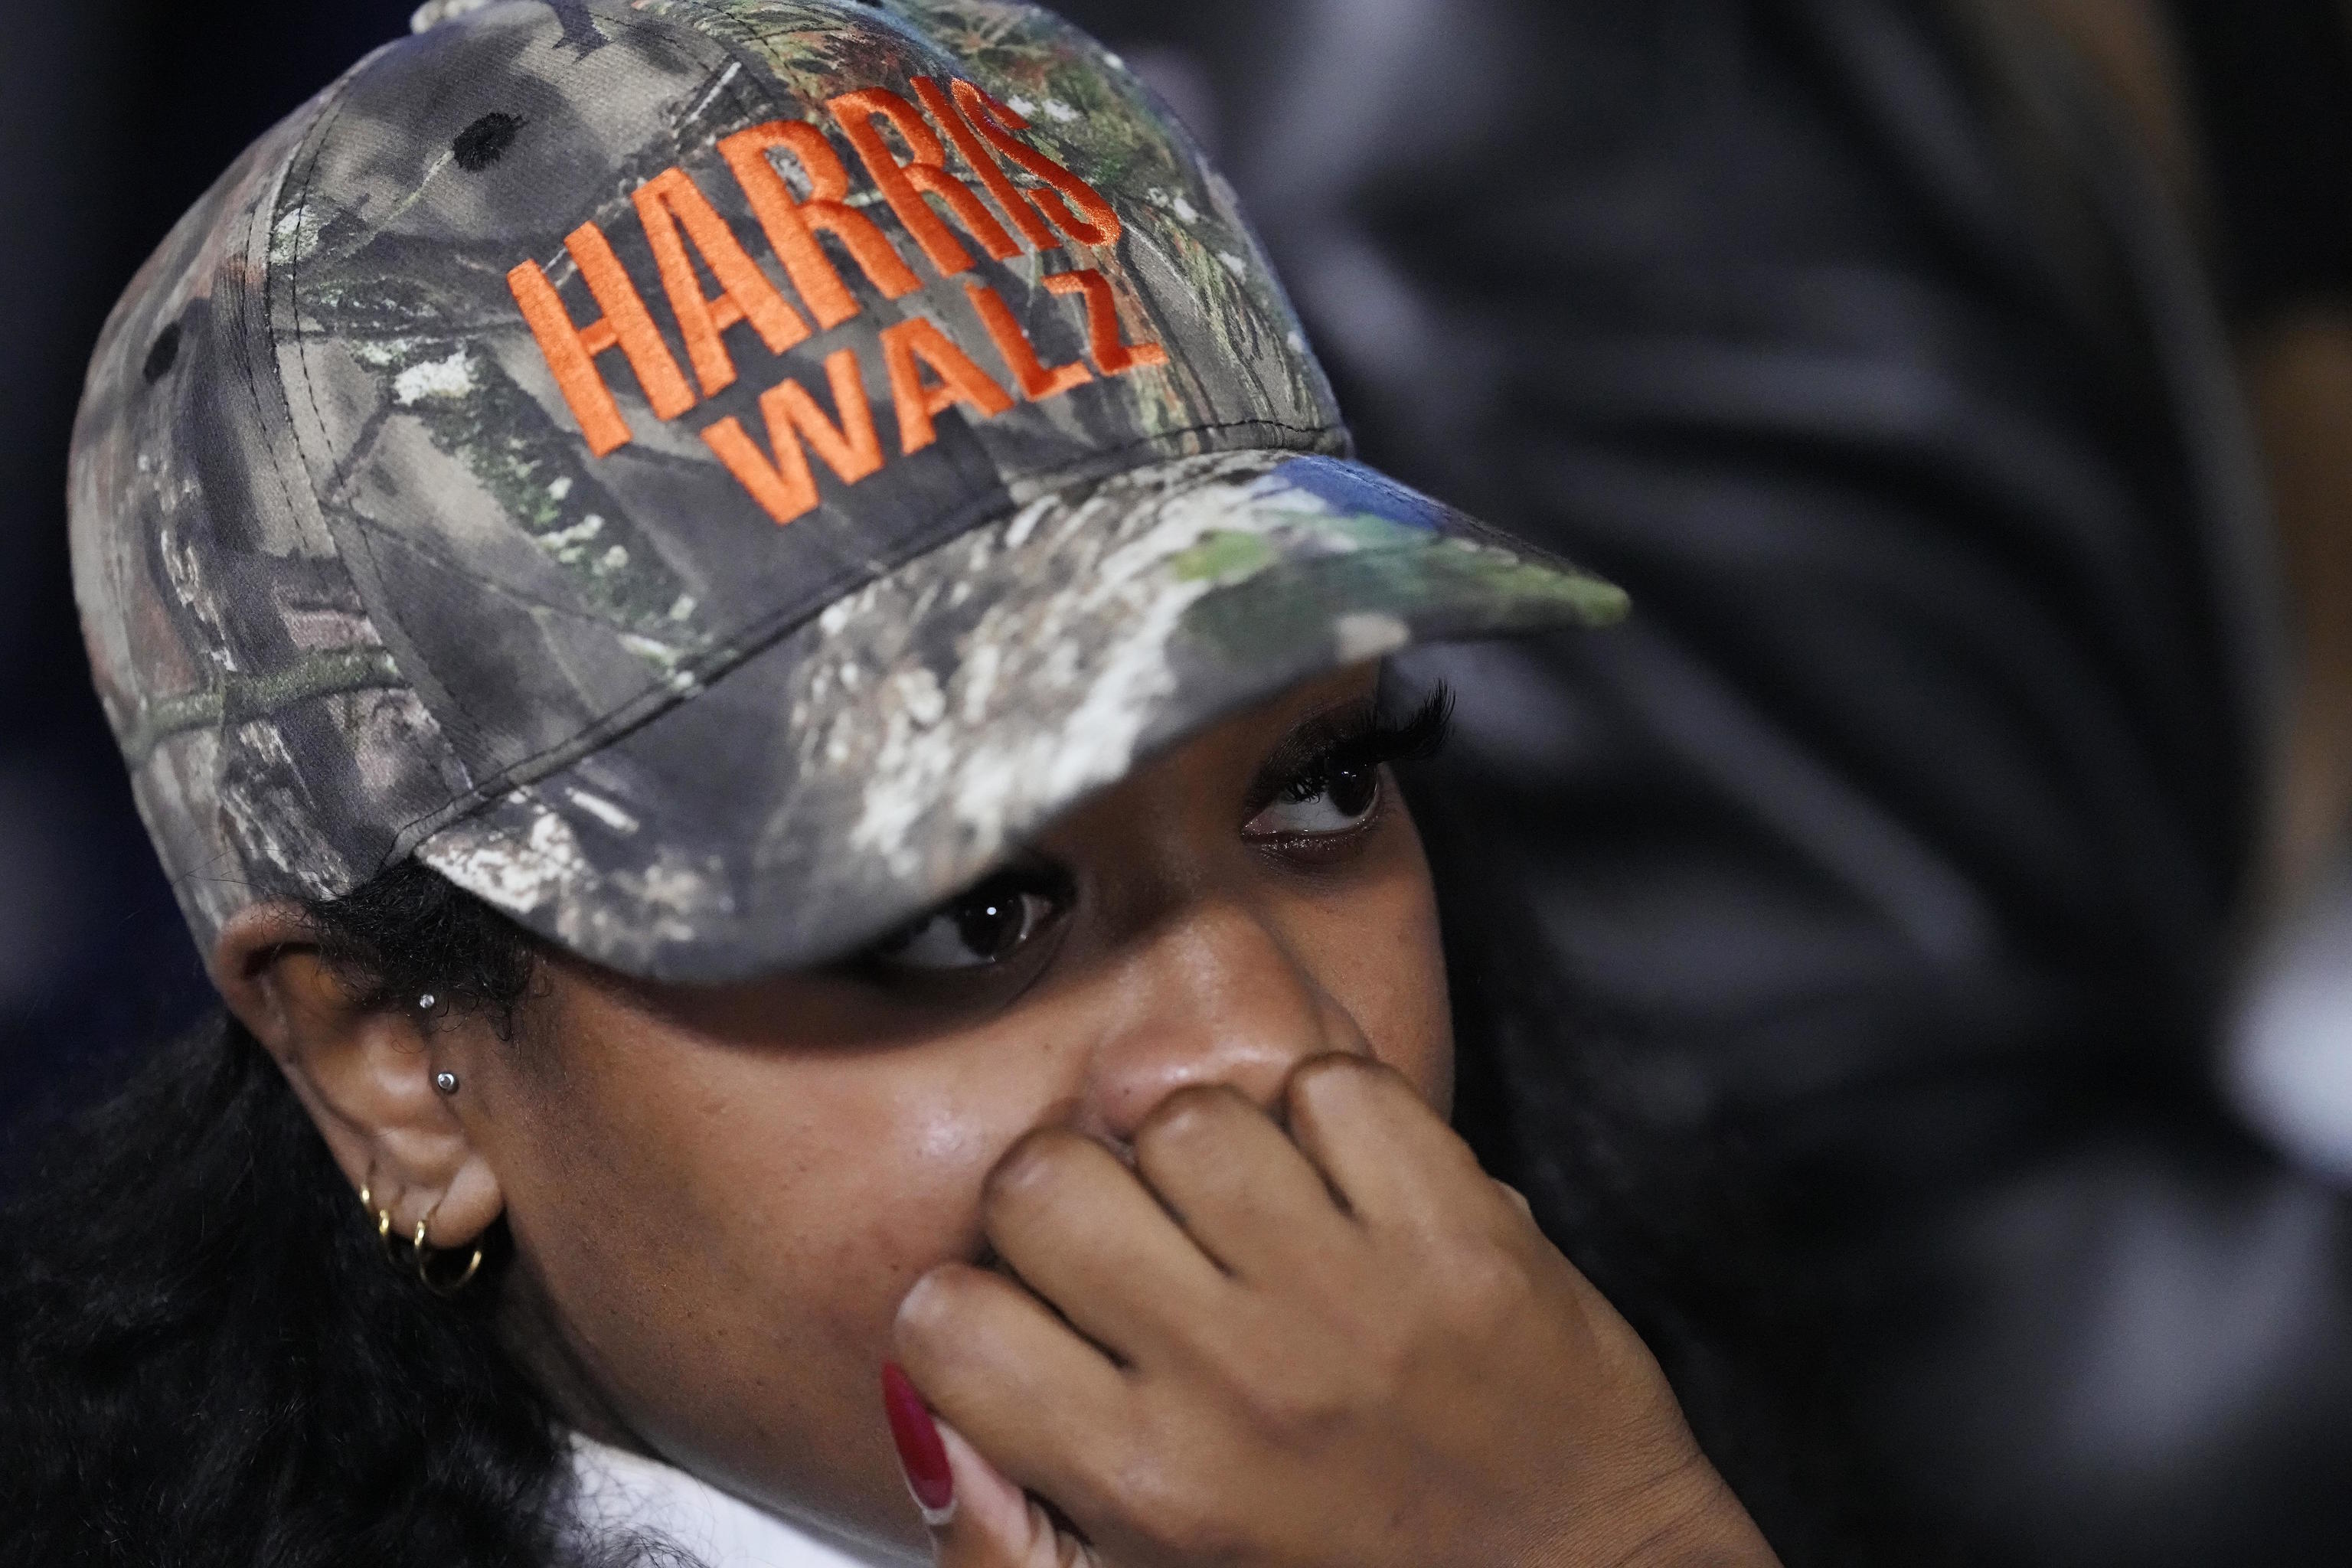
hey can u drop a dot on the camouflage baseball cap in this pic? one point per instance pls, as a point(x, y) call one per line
point(710, 476)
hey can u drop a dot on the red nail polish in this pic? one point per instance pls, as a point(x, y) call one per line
point(921, 1453)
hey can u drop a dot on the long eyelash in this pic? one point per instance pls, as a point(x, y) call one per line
point(1419, 737)
point(1360, 738)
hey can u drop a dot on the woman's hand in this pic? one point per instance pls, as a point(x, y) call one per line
point(1345, 1346)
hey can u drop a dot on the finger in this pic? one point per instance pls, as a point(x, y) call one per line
point(1390, 1157)
point(1242, 1191)
point(1083, 1233)
point(978, 1517)
point(992, 1524)
point(995, 1362)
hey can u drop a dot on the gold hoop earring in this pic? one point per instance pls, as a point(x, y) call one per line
point(444, 1289)
point(420, 1253)
point(383, 1219)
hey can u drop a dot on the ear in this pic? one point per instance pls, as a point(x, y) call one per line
point(365, 1075)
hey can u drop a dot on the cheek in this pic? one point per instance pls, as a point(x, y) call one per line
point(1377, 952)
point(1421, 1020)
point(790, 1190)
point(724, 1235)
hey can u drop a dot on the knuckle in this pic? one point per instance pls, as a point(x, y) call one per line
point(1031, 1169)
point(934, 1307)
point(1190, 1114)
point(1342, 1077)
point(1294, 1405)
point(1341, 1068)
point(1485, 1286)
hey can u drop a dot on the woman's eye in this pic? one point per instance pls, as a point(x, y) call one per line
point(989, 925)
point(1335, 798)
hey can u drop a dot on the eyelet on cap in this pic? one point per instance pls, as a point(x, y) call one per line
point(480, 145)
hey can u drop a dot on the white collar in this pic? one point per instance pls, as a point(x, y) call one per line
point(621, 1493)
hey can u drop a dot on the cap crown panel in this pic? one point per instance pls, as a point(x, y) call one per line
point(546, 596)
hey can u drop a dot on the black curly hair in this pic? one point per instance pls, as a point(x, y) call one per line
point(204, 1358)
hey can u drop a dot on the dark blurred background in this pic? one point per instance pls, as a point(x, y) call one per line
point(114, 117)
point(1901, 968)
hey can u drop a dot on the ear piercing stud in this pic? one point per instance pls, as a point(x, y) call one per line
point(444, 1080)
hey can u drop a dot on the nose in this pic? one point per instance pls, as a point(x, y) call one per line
point(1211, 996)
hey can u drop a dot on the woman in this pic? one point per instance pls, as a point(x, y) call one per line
point(746, 934)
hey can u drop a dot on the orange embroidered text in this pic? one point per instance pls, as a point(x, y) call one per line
point(787, 487)
point(1037, 383)
point(793, 226)
point(670, 203)
point(904, 185)
point(909, 349)
point(1112, 357)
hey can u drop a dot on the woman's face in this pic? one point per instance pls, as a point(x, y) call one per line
point(718, 1196)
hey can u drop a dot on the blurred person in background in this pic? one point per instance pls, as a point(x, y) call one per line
point(1859, 1028)
point(1859, 1021)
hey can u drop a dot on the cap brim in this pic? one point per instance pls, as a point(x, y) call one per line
point(893, 750)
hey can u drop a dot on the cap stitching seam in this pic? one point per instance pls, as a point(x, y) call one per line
point(390, 535)
point(248, 374)
point(240, 349)
point(368, 539)
point(365, 539)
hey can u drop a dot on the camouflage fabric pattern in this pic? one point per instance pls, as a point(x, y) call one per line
point(357, 585)
point(893, 749)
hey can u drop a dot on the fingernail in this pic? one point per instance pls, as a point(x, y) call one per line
point(921, 1453)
